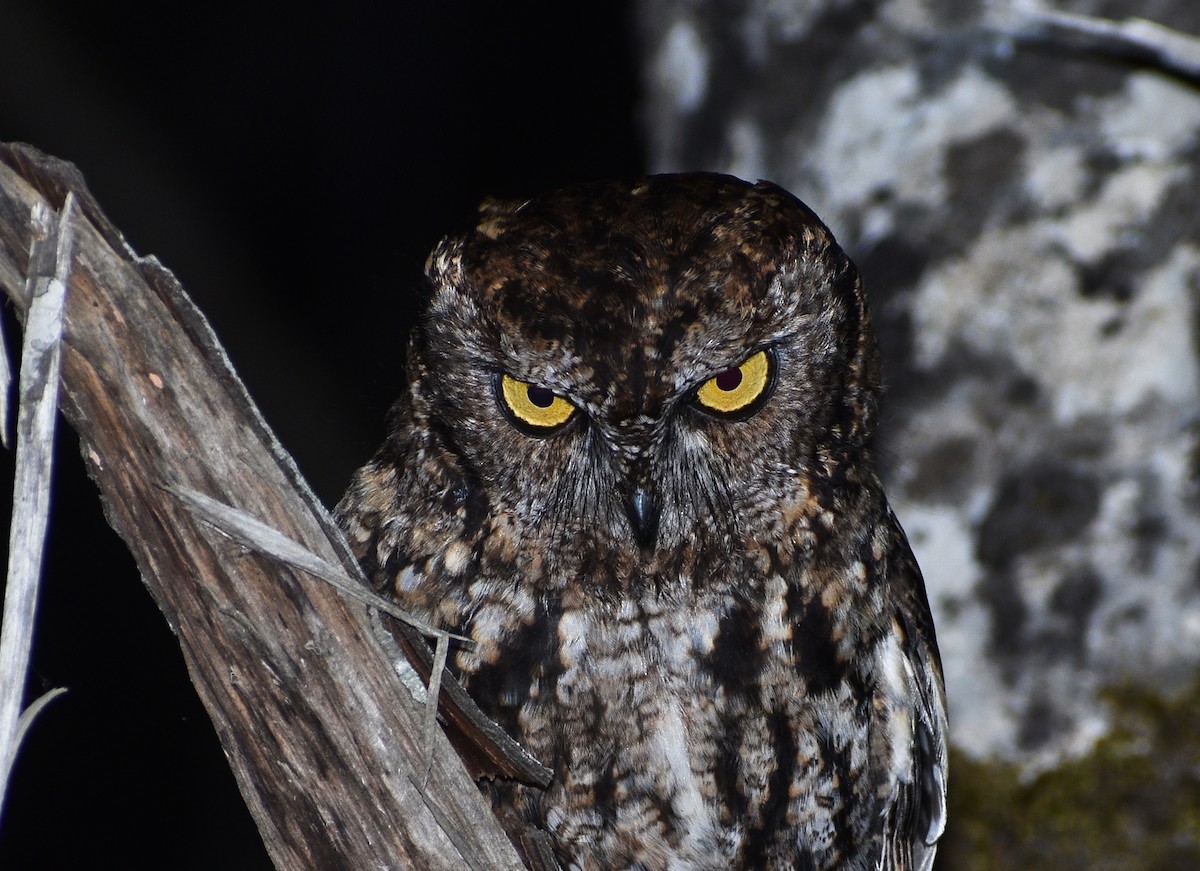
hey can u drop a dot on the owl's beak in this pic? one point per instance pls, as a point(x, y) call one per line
point(643, 510)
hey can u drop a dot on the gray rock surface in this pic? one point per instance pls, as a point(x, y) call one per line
point(1025, 211)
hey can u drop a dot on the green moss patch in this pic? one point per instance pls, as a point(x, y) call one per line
point(1133, 803)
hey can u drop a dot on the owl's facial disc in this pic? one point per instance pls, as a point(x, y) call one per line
point(730, 396)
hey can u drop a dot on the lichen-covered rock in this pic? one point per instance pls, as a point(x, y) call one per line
point(1027, 215)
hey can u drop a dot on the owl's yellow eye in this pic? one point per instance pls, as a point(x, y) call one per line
point(534, 409)
point(739, 392)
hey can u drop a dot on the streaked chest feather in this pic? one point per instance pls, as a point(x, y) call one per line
point(704, 743)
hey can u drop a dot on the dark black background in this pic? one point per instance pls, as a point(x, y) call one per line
point(293, 168)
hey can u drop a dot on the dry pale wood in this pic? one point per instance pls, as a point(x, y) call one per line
point(323, 739)
point(5, 386)
point(41, 358)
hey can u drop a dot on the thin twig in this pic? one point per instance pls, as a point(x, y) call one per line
point(252, 533)
point(431, 702)
point(30, 713)
point(5, 386)
point(1136, 39)
point(41, 361)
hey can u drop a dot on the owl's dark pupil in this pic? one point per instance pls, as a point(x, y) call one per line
point(727, 380)
point(541, 397)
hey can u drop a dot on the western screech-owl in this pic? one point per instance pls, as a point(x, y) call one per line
point(634, 464)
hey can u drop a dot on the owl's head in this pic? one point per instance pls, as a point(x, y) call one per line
point(676, 364)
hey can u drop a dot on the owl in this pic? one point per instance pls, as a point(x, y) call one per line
point(634, 464)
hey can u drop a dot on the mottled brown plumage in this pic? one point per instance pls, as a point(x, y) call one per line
point(698, 610)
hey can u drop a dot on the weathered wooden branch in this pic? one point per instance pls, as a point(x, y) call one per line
point(323, 739)
point(41, 362)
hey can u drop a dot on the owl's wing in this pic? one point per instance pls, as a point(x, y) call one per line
point(929, 757)
point(916, 817)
